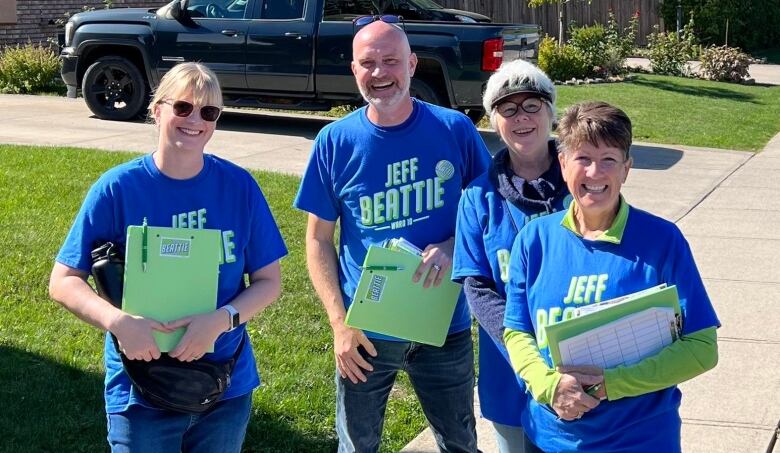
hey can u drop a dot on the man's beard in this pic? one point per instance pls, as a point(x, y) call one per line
point(402, 91)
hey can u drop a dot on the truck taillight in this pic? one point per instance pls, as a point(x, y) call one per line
point(492, 54)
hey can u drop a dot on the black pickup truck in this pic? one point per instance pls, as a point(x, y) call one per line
point(288, 54)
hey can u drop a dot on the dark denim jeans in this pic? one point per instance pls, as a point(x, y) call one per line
point(443, 379)
point(220, 430)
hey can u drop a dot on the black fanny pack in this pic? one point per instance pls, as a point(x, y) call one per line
point(167, 383)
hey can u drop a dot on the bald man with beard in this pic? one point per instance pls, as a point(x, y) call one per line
point(394, 168)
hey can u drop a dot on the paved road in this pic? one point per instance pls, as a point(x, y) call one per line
point(727, 203)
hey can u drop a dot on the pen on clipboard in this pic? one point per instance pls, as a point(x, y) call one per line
point(383, 268)
point(144, 245)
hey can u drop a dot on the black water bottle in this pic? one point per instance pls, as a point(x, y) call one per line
point(108, 270)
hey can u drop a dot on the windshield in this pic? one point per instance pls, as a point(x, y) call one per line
point(426, 4)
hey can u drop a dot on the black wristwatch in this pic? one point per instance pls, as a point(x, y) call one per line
point(234, 318)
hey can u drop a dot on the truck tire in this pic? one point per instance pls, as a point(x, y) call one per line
point(422, 91)
point(114, 89)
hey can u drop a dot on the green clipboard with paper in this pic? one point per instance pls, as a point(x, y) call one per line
point(619, 331)
point(387, 301)
point(170, 273)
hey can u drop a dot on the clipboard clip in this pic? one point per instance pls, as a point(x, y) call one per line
point(144, 245)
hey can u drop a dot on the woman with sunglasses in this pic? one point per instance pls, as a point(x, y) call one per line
point(523, 182)
point(178, 185)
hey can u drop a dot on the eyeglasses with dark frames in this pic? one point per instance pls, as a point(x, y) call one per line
point(362, 21)
point(508, 109)
point(183, 109)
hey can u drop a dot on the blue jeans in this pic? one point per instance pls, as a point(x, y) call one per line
point(512, 439)
point(443, 379)
point(144, 430)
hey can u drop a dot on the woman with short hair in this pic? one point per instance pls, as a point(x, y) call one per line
point(601, 238)
point(177, 182)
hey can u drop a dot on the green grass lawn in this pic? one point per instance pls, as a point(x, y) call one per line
point(50, 362)
point(674, 110)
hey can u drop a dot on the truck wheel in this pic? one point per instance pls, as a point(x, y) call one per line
point(422, 91)
point(114, 89)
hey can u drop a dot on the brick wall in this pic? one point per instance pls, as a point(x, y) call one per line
point(35, 19)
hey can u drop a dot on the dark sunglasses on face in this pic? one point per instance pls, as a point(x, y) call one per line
point(362, 21)
point(184, 109)
point(508, 109)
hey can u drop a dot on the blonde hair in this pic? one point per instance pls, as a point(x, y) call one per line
point(188, 78)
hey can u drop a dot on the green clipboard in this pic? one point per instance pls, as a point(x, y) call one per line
point(387, 301)
point(177, 277)
point(661, 296)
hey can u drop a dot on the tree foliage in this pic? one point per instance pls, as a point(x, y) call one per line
point(751, 25)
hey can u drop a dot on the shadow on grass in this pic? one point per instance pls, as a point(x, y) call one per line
point(271, 433)
point(48, 406)
point(700, 91)
point(51, 407)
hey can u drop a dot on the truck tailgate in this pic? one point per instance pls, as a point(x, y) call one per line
point(520, 41)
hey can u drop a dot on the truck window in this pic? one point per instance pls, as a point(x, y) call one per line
point(282, 9)
point(349, 9)
point(217, 9)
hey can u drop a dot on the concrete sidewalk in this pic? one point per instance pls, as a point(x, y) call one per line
point(727, 204)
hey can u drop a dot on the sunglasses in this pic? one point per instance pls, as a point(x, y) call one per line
point(183, 109)
point(508, 109)
point(362, 21)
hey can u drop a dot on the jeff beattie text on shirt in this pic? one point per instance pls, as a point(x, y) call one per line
point(407, 196)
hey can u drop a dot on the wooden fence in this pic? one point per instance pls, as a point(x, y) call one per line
point(580, 11)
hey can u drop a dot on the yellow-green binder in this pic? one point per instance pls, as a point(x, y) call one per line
point(170, 273)
point(387, 301)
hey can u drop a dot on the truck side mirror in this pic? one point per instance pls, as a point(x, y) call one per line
point(179, 10)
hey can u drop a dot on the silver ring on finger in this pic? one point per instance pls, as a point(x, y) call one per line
point(437, 268)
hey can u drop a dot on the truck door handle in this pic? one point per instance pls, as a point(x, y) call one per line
point(292, 34)
point(230, 32)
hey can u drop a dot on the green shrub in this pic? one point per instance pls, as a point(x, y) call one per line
point(668, 53)
point(561, 62)
point(591, 42)
point(28, 69)
point(621, 43)
point(725, 64)
point(605, 49)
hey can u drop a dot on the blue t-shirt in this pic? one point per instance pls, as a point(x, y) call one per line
point(222, 196)
point(552, 271)
point(388, 182)
point(483, 241)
